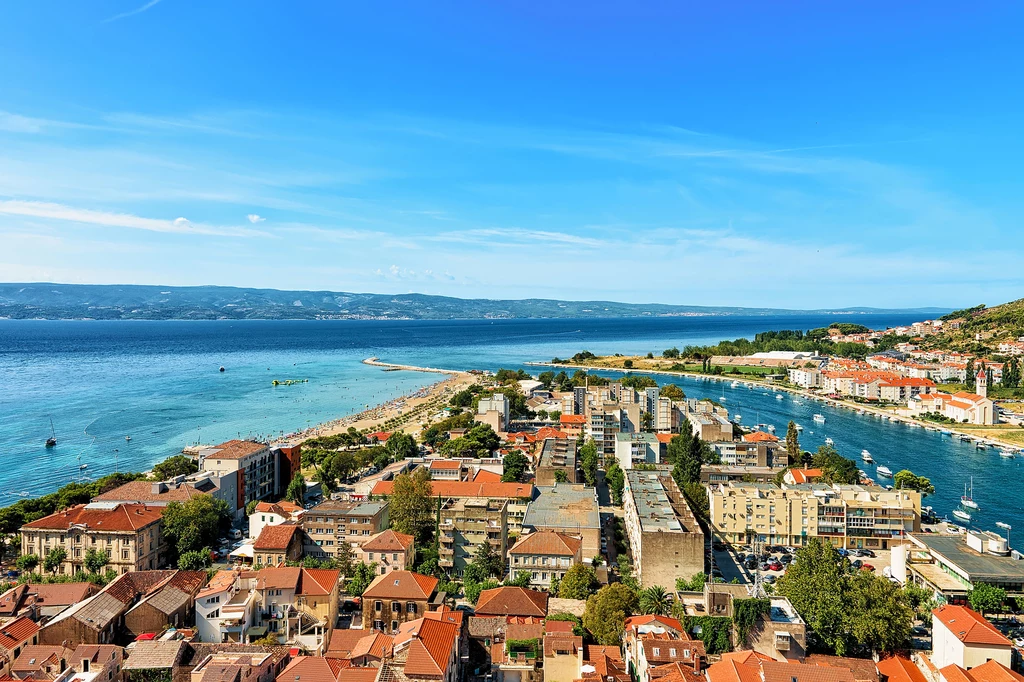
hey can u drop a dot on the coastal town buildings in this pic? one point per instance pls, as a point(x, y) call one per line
point(279, 544)
point(569, 509)
point(225, 609)
point(653, 641)
point(398, 597)
point(272, 514)
point(335, 521)
point(663, 533)
point(40, 601)
point(518, 495)
point(964, 638)
point(545, 555)
point(637, 448)
point(298, 605)
point(466, 524)
point(850, 516)
point(951, 565)
point(558, 463)
point(389, 550)
point(130, 534)
point(253, 466)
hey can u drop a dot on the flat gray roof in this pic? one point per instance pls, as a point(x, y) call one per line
point(563, 505)
point(642, 437)
point(654, 507)
point(559, 453)
point(978, 566)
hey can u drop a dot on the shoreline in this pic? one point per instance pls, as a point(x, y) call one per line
point(375, 415)
point(991, 441)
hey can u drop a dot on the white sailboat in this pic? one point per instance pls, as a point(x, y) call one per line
point(820, 419)
point(829, 441)
point(961, 514)
point(968, 500)
point(884, 471)
point(866, 456)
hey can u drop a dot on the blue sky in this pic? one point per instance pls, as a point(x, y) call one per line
point(794, 154)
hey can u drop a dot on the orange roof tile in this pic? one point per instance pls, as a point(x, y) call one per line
point(512, 601)
point(123, 518)
point(308, 669)
point(443, 464)
point(318, 581)
point(548, 542)
point(969, 626)
point(634, 621)
point(900, 669)
point(989, 671)
point(17, 632)
point(375, 645)
point(572, 419)
point(282, 508)
point(760, 437)
point(221, 581)
point(401, 585)
point(388, 541)
point(236, 449)
point(277, 537)
point(486, 476)
point(466, 489)
point(430, 651)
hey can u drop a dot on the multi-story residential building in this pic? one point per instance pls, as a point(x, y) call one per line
point(558, 463)
point(652, 641)
point(603, 424)
point(570, 509)
point(518, 495)
point(850, 516)
point(332, 522)
point(465, 525)
point(714, 474)
point(398, 597)
point(545, 555)
point(177, 489)
point(757, 449)
point(391, 551)
point(130, 534)
point(572, 424)
point(427, 650)
point(666, 541)
point(225, 609)
point(650, 399)
point(279, 544)
point(299, 605)
point(494, 411)
point(273, 514)
point(254, 465)
point(805, 377)
point(666, 416)
point(637, 448)
point(579, 400)
point(963, 637)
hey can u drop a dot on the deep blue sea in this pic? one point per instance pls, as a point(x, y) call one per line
point(159, 383)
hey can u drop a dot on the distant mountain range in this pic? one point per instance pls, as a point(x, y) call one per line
point(141, 302)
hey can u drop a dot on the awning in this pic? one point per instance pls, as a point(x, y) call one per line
point(256, 632)
point(243, 552)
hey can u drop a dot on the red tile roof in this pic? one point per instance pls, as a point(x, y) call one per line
point(358, 674)
point(548, 542)
point(664, 437)
point(17, 632)
point(760, 437)
point(388, 541)
point(277, 537)
point(343, 641)
point(123, 518)
point(486, 476)
point(804, 475)
point(900, 669)
point(446, 464)
point(466, 489)
point(776, 671)
point(572, 419)
point(307, 669)
point(430, 650)
point(634, 621)
point(989, 671)
point(375, 645)
point(969, 626)
point(282, 508)
point(318, 581)
point(142, 491)
point(512, 601)
point(236, 449)
point(401, 585)
point(221, 581)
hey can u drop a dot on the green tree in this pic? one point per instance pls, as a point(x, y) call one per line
point(579, 582)
point(793, 443)
point(196, 560)
point(489, 560)
point(880, 618)
point(697, 497)
point(177, 465)
point(296, 491)
point(834, 467)
point(194, 525)
point(616, 481)
point(250, 508)
point(344, 557)
point(671, 353)
point(588, 461)
point(813, 583)
point(694, 584)
point(606, 612)
point(401, 446)
point(561, 476)
point(27, 562)
point(672, 392)
point(655, 600)
point(362, 576)
point(514, 466)
point(54, 559)
point(906, 479)
point(96, 559)
point(472, 590)
point(638, 381)
point(985, 598)
point(412, 505)
point(521, 579)
point(627, 363)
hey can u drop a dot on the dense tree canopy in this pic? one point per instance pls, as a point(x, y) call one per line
point(411, 505)
point(177, 465)
point(606, 612)
point(907, 480)
point(514, 466)
point(579, 582)
point(194, 525)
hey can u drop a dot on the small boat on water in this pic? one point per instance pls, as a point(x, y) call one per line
point(981, 445)
point(738, 417)
point(866, 456)
point(799, 428)
point(946, 432)
point(778, 396)
point(829, 441)
point(127, 438)
point(52, 440)
point(962, 514)
point(797, 401)
point(722, 398)
point(734, 384)
point(968, 499)
point(964, 438)
point(819, 418)
point(1007, 453)
point(884, 471)
point(771, 428)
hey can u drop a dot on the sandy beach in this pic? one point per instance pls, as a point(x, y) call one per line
point(376, 416)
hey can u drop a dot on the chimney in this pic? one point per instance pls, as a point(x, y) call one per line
point(696, 662)
point(85, 665)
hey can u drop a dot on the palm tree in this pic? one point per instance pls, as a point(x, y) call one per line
point(654, 600)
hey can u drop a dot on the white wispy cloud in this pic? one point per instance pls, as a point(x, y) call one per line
point(255, 218)
point(50, 211)
point(131, 13)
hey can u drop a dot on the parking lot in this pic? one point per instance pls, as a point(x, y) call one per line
point(736, 562)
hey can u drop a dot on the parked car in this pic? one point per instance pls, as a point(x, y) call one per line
point(867, 552)
point(740, 556)
point(766, 566)
point(857, 563)
point(770, 579)
point(786, 559)
point(775, 566)
point(867, 567)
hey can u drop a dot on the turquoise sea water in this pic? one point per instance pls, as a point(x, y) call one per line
point(159, 383)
